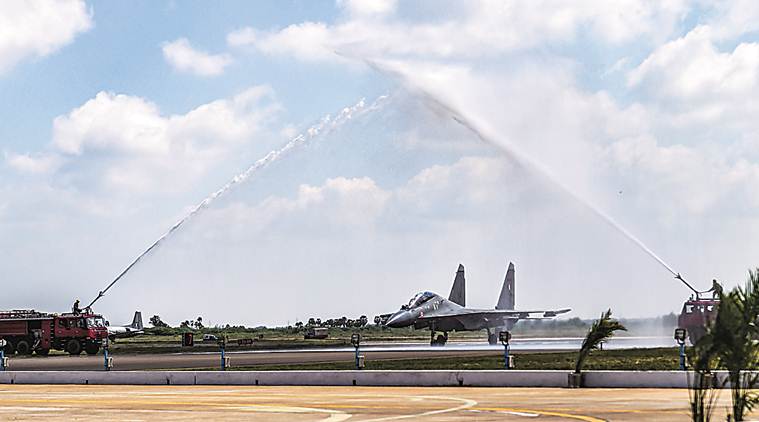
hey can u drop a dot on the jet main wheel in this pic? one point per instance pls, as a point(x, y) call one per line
point(74, 347)
point(492, 338)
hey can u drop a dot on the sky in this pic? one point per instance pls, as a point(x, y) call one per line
point(476, 132)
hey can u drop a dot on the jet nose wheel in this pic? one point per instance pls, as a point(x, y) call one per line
point(440, 340)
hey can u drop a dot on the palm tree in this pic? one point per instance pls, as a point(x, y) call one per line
point(701, 392)
point(601, 330)
point(732, 338)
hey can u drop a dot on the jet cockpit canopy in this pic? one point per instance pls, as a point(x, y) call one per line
point(420, 298)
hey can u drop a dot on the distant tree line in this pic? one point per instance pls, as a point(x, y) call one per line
point(342, 322)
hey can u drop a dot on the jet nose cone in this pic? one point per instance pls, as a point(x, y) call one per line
point(400, 319)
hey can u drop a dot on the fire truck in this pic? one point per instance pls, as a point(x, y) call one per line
point(30, 331)
point(698, 312)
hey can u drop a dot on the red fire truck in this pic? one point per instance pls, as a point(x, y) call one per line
point(698, 311)
point(28, 331)
point(696, 314)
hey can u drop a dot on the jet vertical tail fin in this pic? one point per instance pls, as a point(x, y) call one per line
point(507, 298)
point(137, 321)
point(458, 291)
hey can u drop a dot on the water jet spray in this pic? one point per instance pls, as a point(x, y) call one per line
point(429, 99)
point(325, 126)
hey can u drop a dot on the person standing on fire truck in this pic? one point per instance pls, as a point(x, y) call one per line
point(716, 289)
point(75, 309)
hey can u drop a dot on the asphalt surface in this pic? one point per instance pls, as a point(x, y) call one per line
point(210, 360)
point(372, 351)
point(229, 403)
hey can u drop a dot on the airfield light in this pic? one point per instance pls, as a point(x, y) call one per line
point(107, 360)
point(3, 359)
point(222, 347)
point(680, 334)
point(356, 342)
point(505, 337)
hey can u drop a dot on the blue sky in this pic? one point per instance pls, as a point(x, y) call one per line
point(122, 54)
point(118, 117)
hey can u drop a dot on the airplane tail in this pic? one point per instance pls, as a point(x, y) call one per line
point(507, 298)
point(137, 321)
point(458, 291)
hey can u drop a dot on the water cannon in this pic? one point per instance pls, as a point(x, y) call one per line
point(680, 277)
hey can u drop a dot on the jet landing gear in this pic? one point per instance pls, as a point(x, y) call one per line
point(440, 340)
point(492, 338)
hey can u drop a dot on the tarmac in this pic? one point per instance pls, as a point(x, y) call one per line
point(229, 403)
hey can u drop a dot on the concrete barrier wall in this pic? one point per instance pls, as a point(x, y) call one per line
point(513, 378)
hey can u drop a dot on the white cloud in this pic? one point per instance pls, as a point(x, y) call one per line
point(241, 37)
point(183, 57)
point(340, 204)
point(36, 164)
point(308, 41)
point(695, 87)
point(700, 181)
point(111, 121)
point(474, 29)
point(732, 18)
point(37, 28)
point(136, 144)
point(692, 68)
point(592, 145)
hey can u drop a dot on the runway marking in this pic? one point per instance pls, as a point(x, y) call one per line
point(526, 415)
point(334, 415)
point(467, 404)
point(30, 409)
point(544, 413)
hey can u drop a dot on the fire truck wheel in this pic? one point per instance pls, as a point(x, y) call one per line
point(10, 349)
point(92, 349)
point(74, 347)
point(42, 352)
point(23, 347)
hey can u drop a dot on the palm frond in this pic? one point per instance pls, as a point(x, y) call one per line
point(602, 329)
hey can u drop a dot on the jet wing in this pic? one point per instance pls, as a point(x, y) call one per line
point(497, 313)
point(480, 318)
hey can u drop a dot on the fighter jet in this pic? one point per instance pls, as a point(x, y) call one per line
point(125, 331)
point(430, 310)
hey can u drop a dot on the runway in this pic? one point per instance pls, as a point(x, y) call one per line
point(376, 351)
point(210, 360)
point(335, 404)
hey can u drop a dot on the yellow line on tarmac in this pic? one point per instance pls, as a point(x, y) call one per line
point(541, 412)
